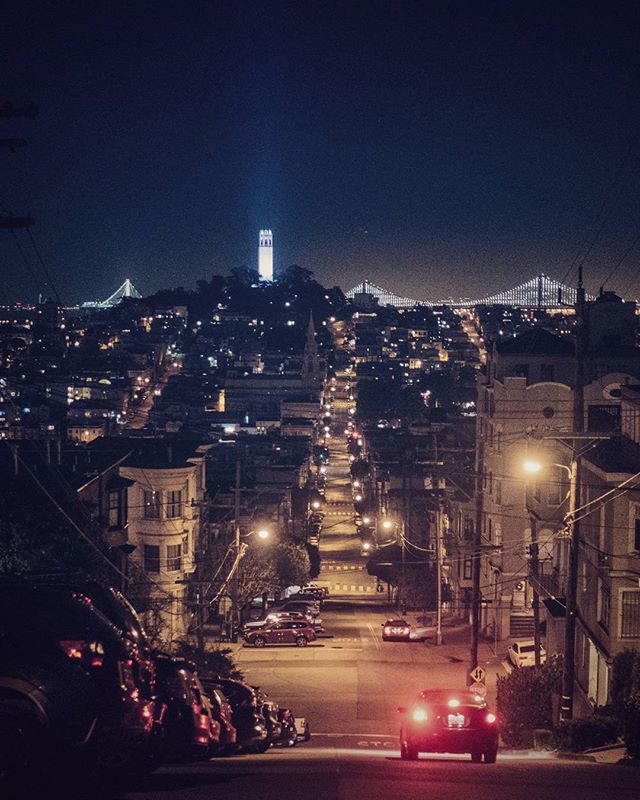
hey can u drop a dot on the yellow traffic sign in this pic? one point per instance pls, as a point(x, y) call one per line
point(477, 675)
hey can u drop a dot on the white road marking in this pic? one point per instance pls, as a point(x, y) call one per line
point(373, 634)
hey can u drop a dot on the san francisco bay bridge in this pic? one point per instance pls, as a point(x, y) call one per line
point(540, 291)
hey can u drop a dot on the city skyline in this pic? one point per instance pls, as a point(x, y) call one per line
point(460, 152)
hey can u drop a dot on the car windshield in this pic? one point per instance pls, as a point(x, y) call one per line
point(526, 648)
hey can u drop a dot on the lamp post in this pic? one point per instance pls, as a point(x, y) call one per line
point(240, 549)
point(533, 467)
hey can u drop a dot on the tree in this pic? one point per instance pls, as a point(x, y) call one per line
point(525, 701)
point(244, 276)
point(216, 662)
point(292, 566)
point(418, 587)
point(294, 276)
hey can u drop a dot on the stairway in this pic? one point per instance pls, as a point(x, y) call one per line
point(521, 626)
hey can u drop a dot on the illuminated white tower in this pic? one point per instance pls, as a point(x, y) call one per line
point(265, 256)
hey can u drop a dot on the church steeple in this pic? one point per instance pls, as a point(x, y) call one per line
point(311, 375)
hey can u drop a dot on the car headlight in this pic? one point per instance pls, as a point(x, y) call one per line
point(420, 715)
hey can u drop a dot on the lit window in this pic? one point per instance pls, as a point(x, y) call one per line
point(174, 504)
point(152, 504)
point(174, 557)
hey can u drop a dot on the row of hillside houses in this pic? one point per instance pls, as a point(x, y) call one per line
point(526, 408)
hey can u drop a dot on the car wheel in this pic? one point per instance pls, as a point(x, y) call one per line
point(476, 756)
point(301, 641)
point(259, 641)
point(490, 756)
point(408, 751)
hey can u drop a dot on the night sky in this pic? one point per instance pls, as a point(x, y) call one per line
point(439, 149)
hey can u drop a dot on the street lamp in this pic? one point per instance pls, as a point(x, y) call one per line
point(240, 550)
point(533, 466)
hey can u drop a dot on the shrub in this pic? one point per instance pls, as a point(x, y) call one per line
point(625, 698)
point(215, 662)
point(631, 723)
point(525, 701)
point(581, 734)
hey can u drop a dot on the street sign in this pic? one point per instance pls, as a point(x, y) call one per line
point(479, 688)
point(477, 675)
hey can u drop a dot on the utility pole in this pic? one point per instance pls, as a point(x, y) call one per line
point(477, 550)
point(534, 573)
point(235, 584)
point(568, 675)
point(439, 573)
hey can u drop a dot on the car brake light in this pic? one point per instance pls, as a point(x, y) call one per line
point(91, 654)
point(127, 678)
point(420, 715)
point(453, 703)
point(491, 718)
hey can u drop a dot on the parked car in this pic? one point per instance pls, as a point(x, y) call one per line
point(247, 719)
point(223, 712)
point(311, 597)
point(191, 732)
point(296, 632)
point(276, 616)
point(308, 607)
point(71, 685)
point(289, 733)
point(269, 711)
point(303, 730)
point(441, 721)
point(521, 653)
point(321, 592)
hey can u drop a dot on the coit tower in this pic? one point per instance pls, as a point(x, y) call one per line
point(265, 256)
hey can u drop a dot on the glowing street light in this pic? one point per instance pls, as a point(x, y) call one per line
point(531, 466)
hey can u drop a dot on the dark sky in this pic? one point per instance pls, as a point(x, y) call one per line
point(436, 148)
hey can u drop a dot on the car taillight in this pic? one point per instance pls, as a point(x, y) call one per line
point(127, 677)
point(90, 654)
point(453, 703)
point(420, 715)
point(491, 718)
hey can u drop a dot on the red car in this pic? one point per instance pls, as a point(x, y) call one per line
point(449, 722)
point(287, 631)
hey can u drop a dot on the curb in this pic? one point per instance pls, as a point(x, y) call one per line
point(576, 756)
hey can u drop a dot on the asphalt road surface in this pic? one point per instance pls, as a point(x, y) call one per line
point(363, 771)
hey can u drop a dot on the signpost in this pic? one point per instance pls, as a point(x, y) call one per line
point(477, 675)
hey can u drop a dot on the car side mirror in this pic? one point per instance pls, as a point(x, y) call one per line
point(402, 709)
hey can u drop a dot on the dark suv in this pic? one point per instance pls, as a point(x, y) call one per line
point(249, 723)
point(286, 631)
point(71, 685)
point(190, 730)
point(449, 722)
